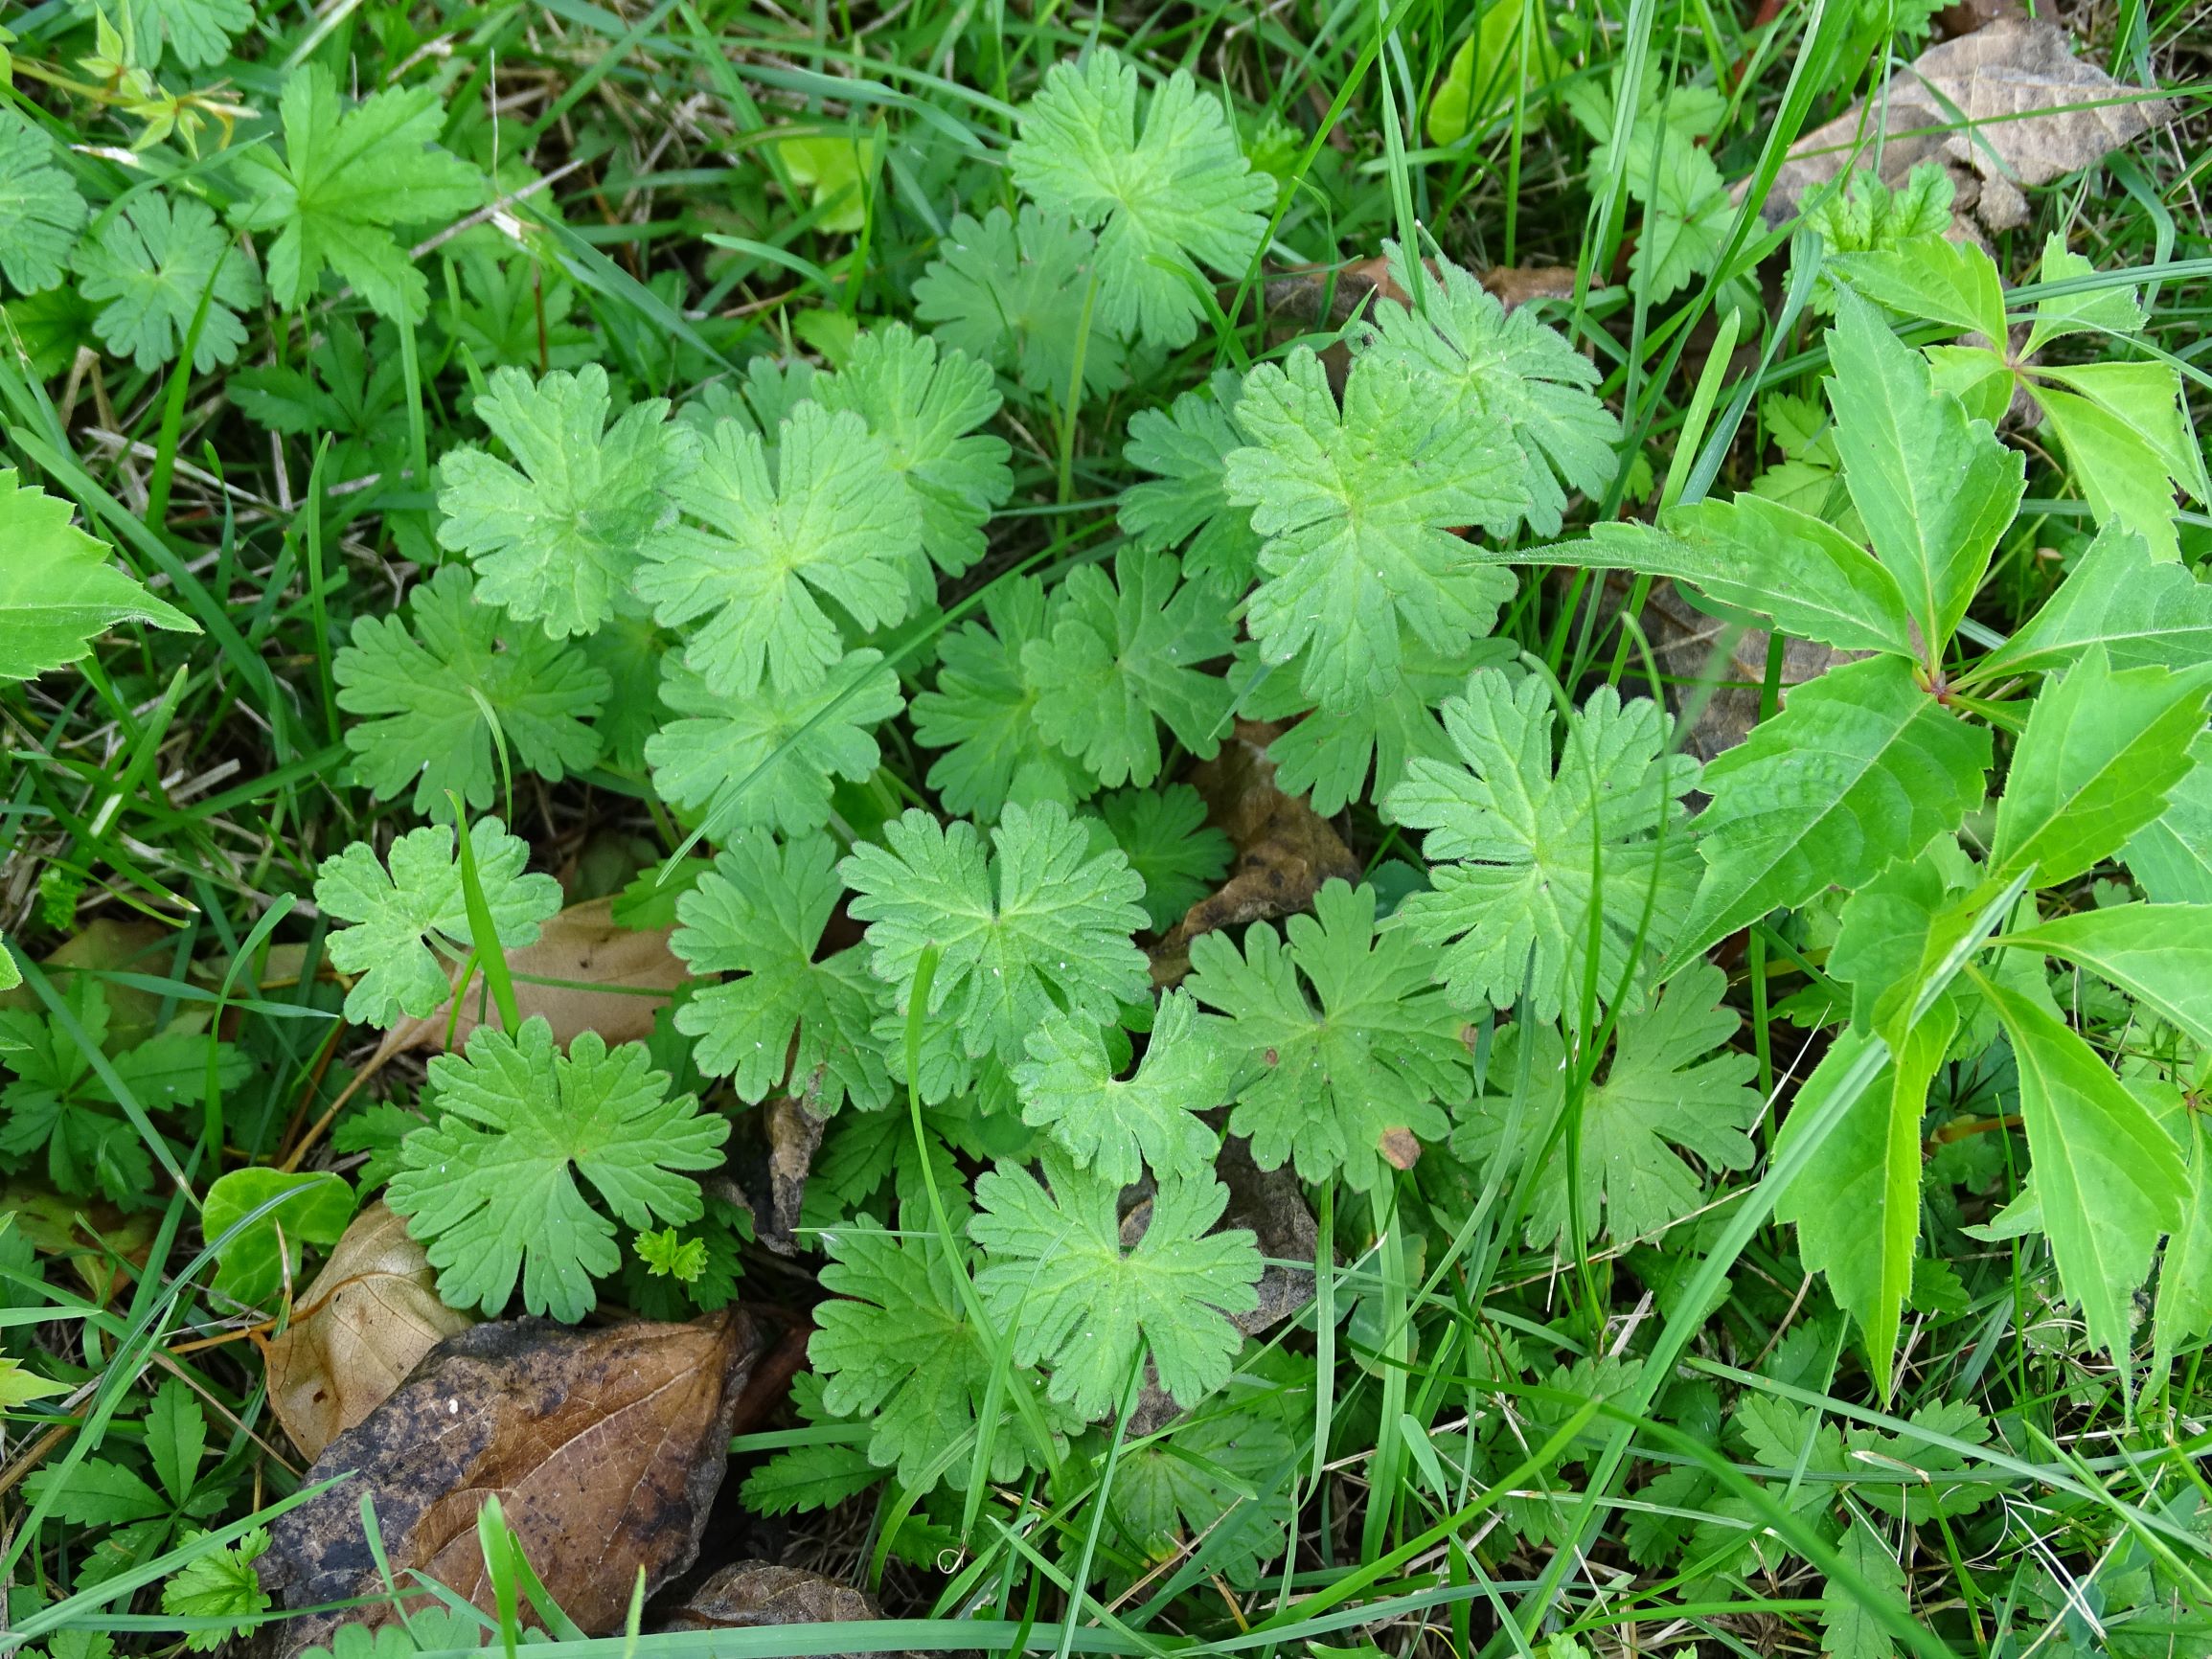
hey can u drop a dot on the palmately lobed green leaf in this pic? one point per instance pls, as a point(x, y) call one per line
point(1120, 653)
point(147, 263)
point(1489, 363)
point(926, 407)
point(40, 212)
point(557, 536)
point(1177, 198)
point(896, 1346)
point(1036, 925)
point(1115, 1126)
point(396, 916)
point(769, 756)
point(1358, 507)
point(491, 1187)
point(1009, 291)
point(1671, 1083)
point(1532, 865)
point(1328, 1076)
point(760, 916)
point(443, 694)
point(830, 520)
point(346, 178)
point(1185, 504)
point(982, 711)
point(1078, 1302)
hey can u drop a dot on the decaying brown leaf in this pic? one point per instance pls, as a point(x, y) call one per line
point(749, 1594)
point(1272, 1205)
point(608, 965)
point(1284, 849)
point(2005, 108)
point(794, 1130)
point(365, 1322)
point(605, 1448)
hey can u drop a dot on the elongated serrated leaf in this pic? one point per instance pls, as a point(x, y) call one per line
point(2110, 1179)
point(1756, 554)
point(58, 590)
point(2159, 954)
point(2102, 752)
point(2145, 612)
point(1934, 489)
point(1933, 278)
point(2171, 856)
point(2117, 459)
point(1857, 1204)
point(1863, 766)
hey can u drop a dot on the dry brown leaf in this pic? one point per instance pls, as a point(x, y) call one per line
point(794, 1130)
point(2037, 112)
point(749, 1594)
point(581, 943)
point(106, 944)
point(1284, 849)
point(370, 1315)
point(605, 1448)
point(1272, 1204)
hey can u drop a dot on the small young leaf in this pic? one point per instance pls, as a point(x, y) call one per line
point(254, 1265)
point(220, 1584)
point(1164, 837)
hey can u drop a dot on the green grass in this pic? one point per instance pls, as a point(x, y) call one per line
point(1452, 1482)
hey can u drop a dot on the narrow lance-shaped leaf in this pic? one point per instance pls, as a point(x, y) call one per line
point(2109, 1178)
point(1934, 489)
point(2159, 954)
point(1861, 767)
point(2102, 752)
